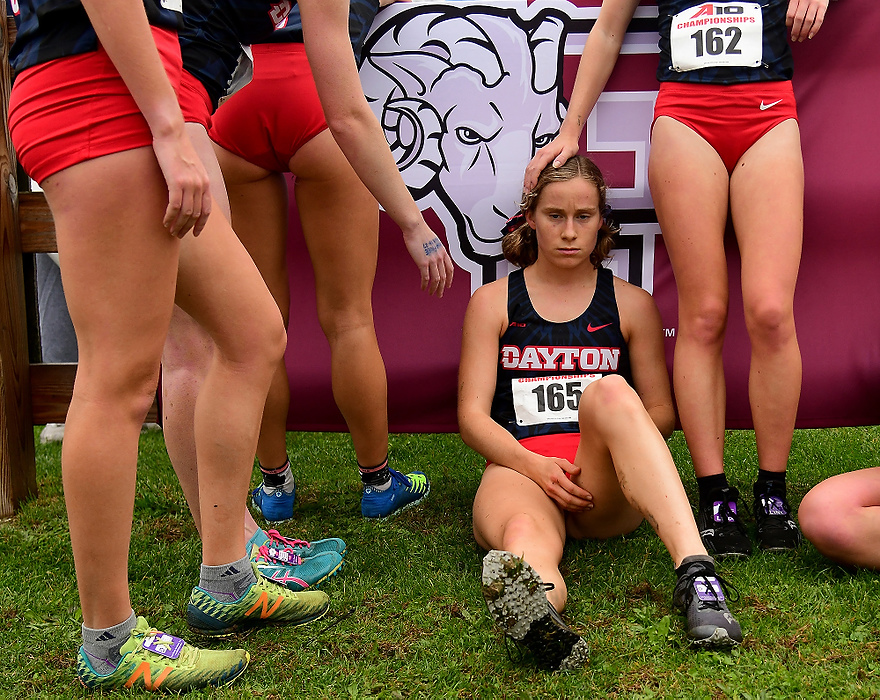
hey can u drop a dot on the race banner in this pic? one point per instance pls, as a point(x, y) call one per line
point(467, 92)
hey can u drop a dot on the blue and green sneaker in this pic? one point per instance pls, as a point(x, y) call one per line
point(404, 492)
point(265, 603)
point(154, 660)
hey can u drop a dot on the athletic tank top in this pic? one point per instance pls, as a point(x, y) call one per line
point(50, 29)
point(723, 43)
point(215, 30)
point(543, 367)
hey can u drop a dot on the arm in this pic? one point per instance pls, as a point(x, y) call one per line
point(805, 17)
point(359, 135)
point(642, 328)
point(484, 323)
point(122, 28)
point(597, 62)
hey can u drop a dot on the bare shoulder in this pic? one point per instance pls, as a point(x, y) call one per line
point(630, 296)
point(488, 304)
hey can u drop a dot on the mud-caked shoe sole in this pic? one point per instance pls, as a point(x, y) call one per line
point(517, 601)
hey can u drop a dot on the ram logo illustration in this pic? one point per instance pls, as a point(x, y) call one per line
point(465, 101)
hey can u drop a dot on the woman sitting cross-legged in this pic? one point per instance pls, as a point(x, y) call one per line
point(564, 389)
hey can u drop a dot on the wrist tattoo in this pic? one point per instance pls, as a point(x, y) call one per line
point(432, 246)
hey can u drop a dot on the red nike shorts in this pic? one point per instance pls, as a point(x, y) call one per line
point(77, 108)
point(194, 101)
point(730, 117)
point(564, 445)
point(273, 116)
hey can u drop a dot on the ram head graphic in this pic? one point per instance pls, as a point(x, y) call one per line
point(465, 101)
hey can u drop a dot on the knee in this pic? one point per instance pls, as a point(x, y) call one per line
point(607, 397)
point(829, 523)
point(705, 322)
point(339, 317)
point(128, 385)
point(770, 322)
point(520, 532)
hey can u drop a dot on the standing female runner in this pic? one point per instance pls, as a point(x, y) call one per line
point(564, 390)
point(725, 139)
point(95, 121)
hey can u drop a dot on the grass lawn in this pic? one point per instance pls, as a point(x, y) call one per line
point(408, 619)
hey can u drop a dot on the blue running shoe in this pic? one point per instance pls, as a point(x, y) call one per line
point(404, 492)
point(293, 572)
point(301, 548)
point(276, 505)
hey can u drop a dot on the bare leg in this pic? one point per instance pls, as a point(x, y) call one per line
point(344, 283)
point(512, 513)
point(185, 362)
point(119, 281)
point(258, 199)
point(767, 202)
point(219, 286)
point(690, 186)
point(627, 467)
point(841, 517)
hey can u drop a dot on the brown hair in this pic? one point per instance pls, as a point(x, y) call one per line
point(521, 245)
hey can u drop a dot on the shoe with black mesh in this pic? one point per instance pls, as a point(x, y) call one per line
point(776, 528)
point(700, 596)
point(720, 525)
point(517, 599)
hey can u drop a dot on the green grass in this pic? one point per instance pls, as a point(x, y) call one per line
point(408, 619)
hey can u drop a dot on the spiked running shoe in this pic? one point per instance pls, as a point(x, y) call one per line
point(265, 603)
point(154, 660)
point(776, 528)
point(301, 548)
point(721, 528)
point(515, 595)
point(292, 571)
point(699, 595)
point(276, 505)
point(404, 492)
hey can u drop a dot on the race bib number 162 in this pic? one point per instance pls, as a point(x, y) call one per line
point(717, 35)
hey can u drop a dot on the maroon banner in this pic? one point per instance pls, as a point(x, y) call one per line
point(463, 124)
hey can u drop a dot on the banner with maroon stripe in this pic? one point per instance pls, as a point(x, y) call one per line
point(467, 91)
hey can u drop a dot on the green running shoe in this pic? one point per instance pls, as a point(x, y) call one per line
point(154, 660)
point(265, 603)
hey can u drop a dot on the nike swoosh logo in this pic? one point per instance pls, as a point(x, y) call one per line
point(592, 329)
point(772, 104)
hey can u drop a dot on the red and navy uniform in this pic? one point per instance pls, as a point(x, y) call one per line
point(534, 348)
point(214, 31)
point(50, 29)
point(776, 60)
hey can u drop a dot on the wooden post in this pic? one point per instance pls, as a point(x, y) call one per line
point(17, 465)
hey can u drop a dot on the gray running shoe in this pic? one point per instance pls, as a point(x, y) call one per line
point(517, 600)
point(699, 594)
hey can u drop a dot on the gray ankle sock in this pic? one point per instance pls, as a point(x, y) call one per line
point(102, 645)
point(229, 582)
